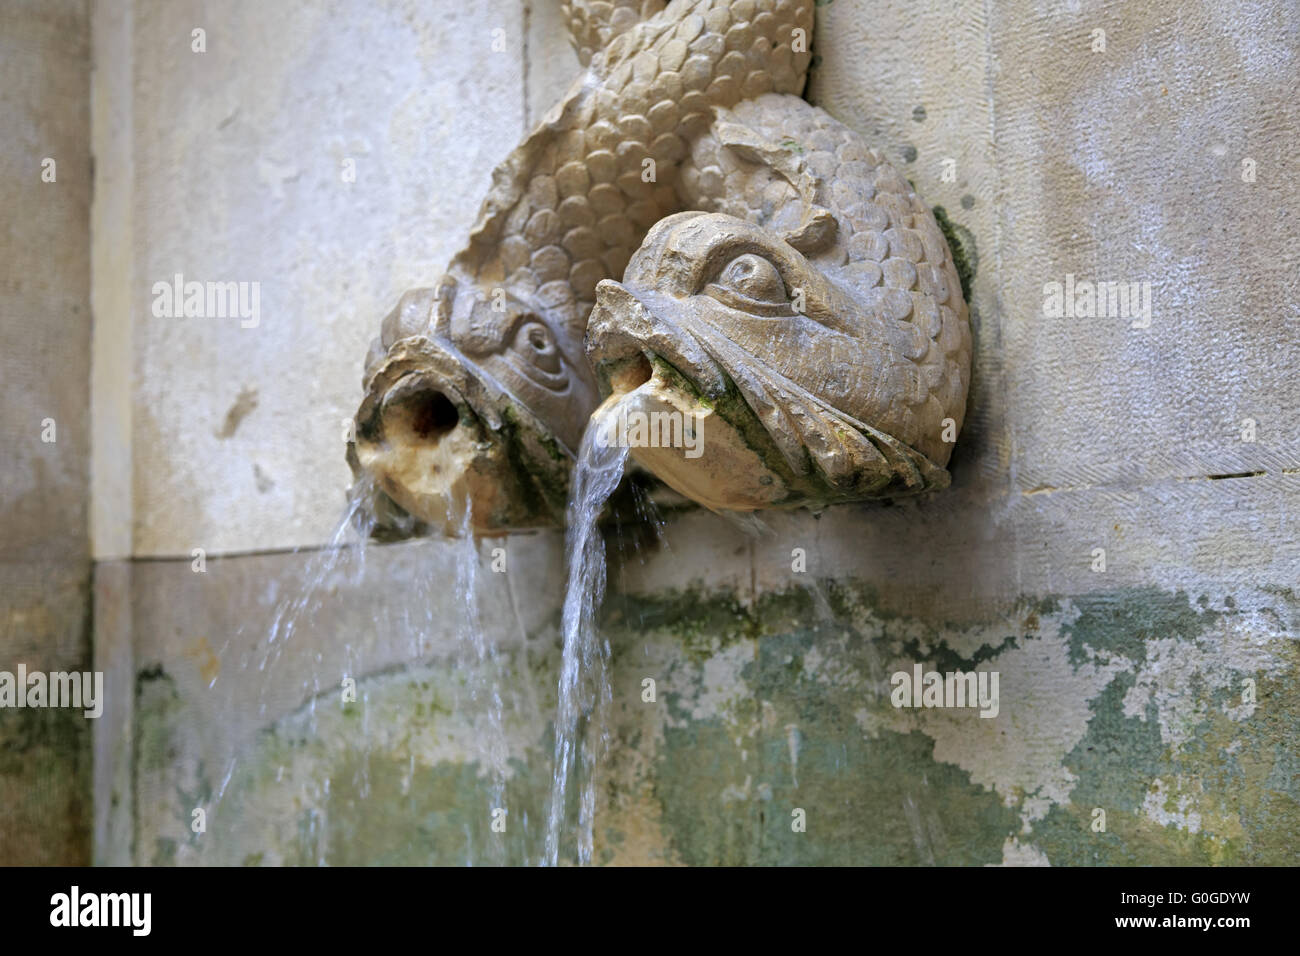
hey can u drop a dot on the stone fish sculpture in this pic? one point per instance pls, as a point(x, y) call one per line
point(780, 282)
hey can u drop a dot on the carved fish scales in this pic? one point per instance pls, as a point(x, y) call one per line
point(480, 388)
point(887, 252)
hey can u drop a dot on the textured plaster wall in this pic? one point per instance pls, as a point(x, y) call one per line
point(1122, 690)
point(237, 168)
point(44, 379)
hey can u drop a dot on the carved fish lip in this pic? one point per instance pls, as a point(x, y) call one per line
point(625, 324)
point(422, 363)
point(712, 462)
point(653, 367)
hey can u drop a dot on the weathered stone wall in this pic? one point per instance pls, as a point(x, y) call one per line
point(45, 786)
point(1160, 690)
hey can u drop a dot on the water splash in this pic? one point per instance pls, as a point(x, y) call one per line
point(584, 690)
point(418, 624)
point(346, 550)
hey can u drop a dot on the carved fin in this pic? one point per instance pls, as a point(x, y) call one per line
point(817, 227)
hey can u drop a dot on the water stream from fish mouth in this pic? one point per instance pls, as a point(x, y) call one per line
point(345, 551)
point(343, 554)
point(581, 733)
point(286, 667)
point(484, 678)
point(584, 688)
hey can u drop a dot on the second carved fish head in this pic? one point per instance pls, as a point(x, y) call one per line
point(472, 411)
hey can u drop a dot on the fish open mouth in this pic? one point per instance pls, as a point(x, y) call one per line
point(677, 411)
point(444, 446)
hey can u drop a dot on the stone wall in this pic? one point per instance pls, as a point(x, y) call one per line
point(1158, 686)
point(45, 181)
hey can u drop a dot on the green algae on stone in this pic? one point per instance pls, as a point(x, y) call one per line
point(962, 243)
point(45, 776)
point(702, 624)
point(727, 789)
point(328, 788)
point(1123, 621)
point(725, 785)
point(158, 706)
point(777, 705)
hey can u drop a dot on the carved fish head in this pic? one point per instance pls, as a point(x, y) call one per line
point(472, 401)
point(803, 387)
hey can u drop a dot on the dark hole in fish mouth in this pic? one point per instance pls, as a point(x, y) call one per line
point(629, 374)
point(369, 428)
point(432, 414)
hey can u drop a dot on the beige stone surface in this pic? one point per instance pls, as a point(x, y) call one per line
point(549, 71)
point(955, 554)
point(112, 375)
point(1124, 165)
point(44, 281)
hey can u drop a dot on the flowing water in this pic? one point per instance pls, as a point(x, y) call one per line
point(584, 693)
point(345, 551)
point(288, 667)
point(581, 737)
point(481, 662)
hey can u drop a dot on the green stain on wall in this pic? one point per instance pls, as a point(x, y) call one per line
point(883, 801)
point(1122, 622)
point(729, 790)
point(962, 243)
point(45, 770)
point(782, 705)
point(1245, 775)
point(158, 705)
point(363, 783)
point(701, 624)
point(441, 815)
point(726, 786)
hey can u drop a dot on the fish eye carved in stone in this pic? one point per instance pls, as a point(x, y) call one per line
point(534, 348)
point(752, 284)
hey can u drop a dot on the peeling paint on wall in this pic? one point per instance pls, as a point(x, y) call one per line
point(1127, 701)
